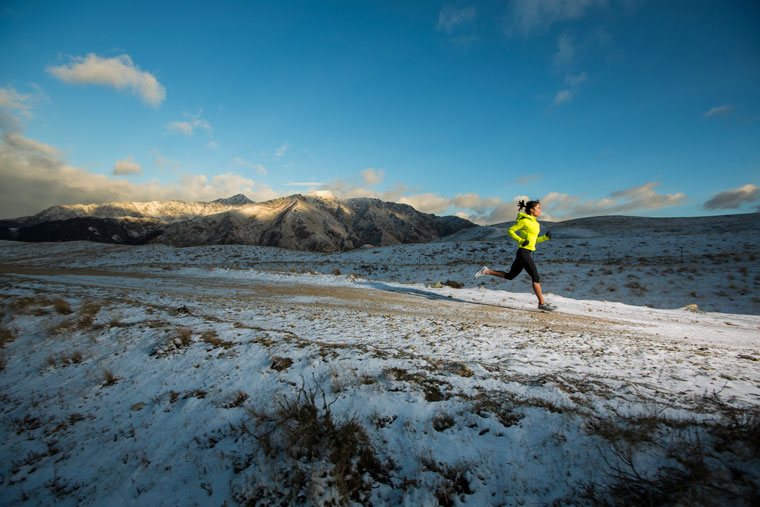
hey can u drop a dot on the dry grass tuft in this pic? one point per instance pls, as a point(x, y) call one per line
point(7, 336)
point(213, 339)
point(454, 485)
point(62, 306)
point(237, 401)
point(698, 461)
point(281, 363)
point(442, 422)
point(87, 313)
point(181, 339)
point(184, 337)
point(32, 305)
point(109, 378)
point(429, 385)
point(303, 432)
point(65, 359)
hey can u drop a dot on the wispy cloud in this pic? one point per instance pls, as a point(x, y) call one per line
point(260, 169)
point(635, 199)
point(372, 177)
point(16, 107)
point(127, 166)
point(281, 150)
point(310, 184)
point(189, 126)
point(718, 111)
point(732, 199)
point(119, 72)
point(566, 51)
point(527, 17)
point(451, 18)
point(458, 24)
point(562, 97)
point(576, 80)
point(15, 101)
point(565, 60)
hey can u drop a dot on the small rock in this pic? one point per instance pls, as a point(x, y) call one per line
point(137, 407)
point(692, 308)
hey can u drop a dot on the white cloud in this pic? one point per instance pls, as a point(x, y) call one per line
point(372, 177)
point(575, 80)
point(305, 184)
point(163, 162)
point(188, 127)
point(527, 17)
point(458, 24)
point(563, 96)
point(127, 166)
point(556, 206)
point(119, 72)
point(34, 176)
point(427, 203)
point(635, 199)
point(180, 127)
point(212, 145)
point(16, 108)
point(717, 111)
point(244, 163)
point(15, 101)
point(565, 51)
point(281, 150)
point(732, 199)
point(451, 18)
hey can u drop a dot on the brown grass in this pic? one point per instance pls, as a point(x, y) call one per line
point(237, 401)
point(281, 363)
point(212, 338)
point(31, 305)
point(701, 463)
point(184, 337)
point(62, 306)
point(303, 431)
point(109, 378)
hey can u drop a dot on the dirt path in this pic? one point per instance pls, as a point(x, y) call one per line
point(370, 297)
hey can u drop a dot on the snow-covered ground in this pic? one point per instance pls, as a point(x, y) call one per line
point(202, 376)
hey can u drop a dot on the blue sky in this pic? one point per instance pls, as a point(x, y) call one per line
point(635, 107)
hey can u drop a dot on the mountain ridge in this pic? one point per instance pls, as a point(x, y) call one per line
point(318, 222)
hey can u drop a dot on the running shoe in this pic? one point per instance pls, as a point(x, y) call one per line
point(482, 272)
point(547, 307)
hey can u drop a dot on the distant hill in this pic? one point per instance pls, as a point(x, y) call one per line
point(319, 222)
point(618, 225)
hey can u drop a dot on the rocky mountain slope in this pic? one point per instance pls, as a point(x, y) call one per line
point(319, 222)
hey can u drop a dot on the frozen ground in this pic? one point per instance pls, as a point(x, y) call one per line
point(221, 375)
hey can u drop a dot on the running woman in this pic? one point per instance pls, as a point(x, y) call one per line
point(528, 229)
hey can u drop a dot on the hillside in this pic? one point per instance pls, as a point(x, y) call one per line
point(279, 385)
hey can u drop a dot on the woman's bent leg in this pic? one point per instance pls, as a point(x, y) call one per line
point(537, 291)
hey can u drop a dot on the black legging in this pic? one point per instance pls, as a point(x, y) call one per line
point(523, 260)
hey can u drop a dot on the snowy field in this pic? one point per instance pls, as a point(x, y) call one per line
point(247, 375)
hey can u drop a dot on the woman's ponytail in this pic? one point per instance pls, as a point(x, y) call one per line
point(522, 205)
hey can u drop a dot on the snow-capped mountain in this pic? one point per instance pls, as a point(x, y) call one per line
point(320, 223)
point(164, 211)
point(317, 222)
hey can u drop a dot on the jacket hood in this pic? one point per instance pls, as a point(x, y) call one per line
point(522, 215)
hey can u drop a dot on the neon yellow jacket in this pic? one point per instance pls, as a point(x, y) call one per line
point(528, 227)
